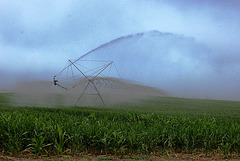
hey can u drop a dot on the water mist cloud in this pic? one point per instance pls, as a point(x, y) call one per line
point(177, 64)
point(37, 38)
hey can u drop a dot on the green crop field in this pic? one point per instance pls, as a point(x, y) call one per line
point(157, 125)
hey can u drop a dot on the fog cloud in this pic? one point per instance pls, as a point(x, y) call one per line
point(37, 38)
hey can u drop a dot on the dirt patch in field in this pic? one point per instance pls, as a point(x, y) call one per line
point(178, 157)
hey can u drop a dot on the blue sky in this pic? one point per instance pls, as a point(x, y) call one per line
point(37, 37)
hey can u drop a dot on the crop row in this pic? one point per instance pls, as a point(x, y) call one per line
point(48, 131)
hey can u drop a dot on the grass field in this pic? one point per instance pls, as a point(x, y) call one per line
point(157, 125)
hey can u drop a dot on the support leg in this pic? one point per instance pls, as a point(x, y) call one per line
point(82, 93)
point(98, 93)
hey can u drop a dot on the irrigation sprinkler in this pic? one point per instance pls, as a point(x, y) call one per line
point(89, 71)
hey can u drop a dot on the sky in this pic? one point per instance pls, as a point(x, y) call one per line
point(38, 37)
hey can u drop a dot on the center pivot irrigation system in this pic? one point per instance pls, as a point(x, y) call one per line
point(85, 74)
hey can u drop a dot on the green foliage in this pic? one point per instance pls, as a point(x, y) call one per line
point(164, 124)
point(103, 158)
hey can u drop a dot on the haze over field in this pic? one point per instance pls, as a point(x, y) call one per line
point(187, 48)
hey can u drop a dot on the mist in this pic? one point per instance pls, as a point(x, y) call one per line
point(189, 49)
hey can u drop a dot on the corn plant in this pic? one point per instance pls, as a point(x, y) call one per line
point(165, 125)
